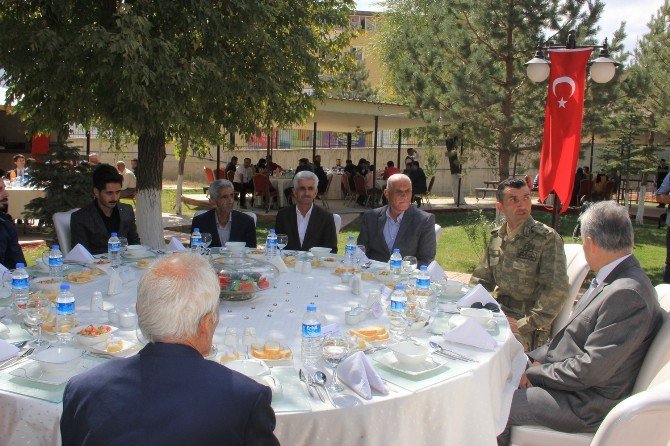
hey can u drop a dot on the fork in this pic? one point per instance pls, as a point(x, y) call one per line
point(17, 359)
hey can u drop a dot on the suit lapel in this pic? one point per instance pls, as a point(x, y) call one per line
point(123, 222)
point(312, 226)
point(381, 222)
point(292, 228)
point(216, 241)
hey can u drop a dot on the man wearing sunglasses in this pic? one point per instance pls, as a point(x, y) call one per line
point(524, 266)
point(591, 364)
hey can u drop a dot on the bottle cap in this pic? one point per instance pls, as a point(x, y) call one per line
point(396, 250)
point(400, 287)
point(196, 229)
point(20, 265)
point(423, 268)
point(272, 230)
point(114, 234)
point(55, 247)
point(64, 287)
point(311, 307)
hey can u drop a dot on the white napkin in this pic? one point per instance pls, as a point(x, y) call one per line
point(2, 269)
point(7, 350)
point(175, 245)
point(79, 254)
point(477, 294)
point(115, 282)
point(3, 328)
point(279, 263)
point(436, 272)
point(358, 373)
point(471, 333)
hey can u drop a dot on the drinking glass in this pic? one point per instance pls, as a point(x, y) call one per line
point(206, 241)
point(248, 338)
point(124, 245)
point(359, 255)
point(35, 313)
point(282, 241)
point(334, 349)
point(230, 338)
point(409, 264)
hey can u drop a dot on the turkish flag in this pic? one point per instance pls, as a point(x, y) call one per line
point(563, 123)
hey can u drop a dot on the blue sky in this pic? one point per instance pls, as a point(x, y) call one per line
point(635, 13)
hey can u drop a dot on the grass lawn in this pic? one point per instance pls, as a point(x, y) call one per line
point(455, 252)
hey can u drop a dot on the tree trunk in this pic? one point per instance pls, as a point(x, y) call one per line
point(151, 153)
point(639, 215)
point(503, 163)
point(180, 175)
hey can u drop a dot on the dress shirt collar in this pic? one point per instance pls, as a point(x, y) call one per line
point(388, 216)
point(607, 269)
point(303, 222)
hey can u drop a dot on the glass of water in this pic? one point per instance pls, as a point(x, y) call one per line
point(34, 315)
point(282, 241)
point(124, 245)
point(334, 349)
point(409, 264)
point(206, 241)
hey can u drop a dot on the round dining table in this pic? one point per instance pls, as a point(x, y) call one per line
point(457, 403)
point(19, 197)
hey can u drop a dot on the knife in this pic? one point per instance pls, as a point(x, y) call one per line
point(16, 360)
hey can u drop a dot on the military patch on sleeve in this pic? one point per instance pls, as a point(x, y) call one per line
point(527, 252)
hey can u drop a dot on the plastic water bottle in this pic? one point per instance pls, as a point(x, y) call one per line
point(56, 263)
point(397, 310)
point(114, 249)
point(20, 287)
point(271, 244)
point(395, 262)
point(65, 312)
point(423, 285)
point(196, 241)
point(311, 336)
point(350, 251)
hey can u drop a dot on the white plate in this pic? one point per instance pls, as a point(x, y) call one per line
point(127, 348)
point(32, 372)
point(330, 262)
point(458, 319)
point(253, 368)
point(388, 359)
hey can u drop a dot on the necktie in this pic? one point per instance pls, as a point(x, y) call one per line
point(585, 296)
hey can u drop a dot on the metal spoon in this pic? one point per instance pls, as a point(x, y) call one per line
point(303, 378)
point(320, 379)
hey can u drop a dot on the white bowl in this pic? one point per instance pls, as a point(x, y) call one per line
point(58, 359)
point(253, 368)
point(87, 341)
point(236, 247)
point(136, 251)
point(320, 251)
point(410, 354)
point(481, 315)
point(453, 287)
point(45, 284)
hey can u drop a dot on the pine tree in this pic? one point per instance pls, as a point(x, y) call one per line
point(67, 183)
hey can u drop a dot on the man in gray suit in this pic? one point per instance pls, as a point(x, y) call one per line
point(398, 225)
point(92, 225)
point(592, 363)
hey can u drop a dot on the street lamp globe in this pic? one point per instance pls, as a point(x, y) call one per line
point(537, 69)
point(602, 70)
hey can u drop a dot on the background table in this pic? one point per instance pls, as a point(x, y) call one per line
point(281, 183)
point(19, 197)
point(466, 403)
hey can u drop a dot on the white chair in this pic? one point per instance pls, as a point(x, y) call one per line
point(577, 271)
point(338, 223)
point(249, 213)
point(655, 371)
point(62, 225)
point(438, 232)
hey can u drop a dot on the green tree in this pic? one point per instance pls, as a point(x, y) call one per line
point(352, 83)
point(466, 59)
point(159, 70)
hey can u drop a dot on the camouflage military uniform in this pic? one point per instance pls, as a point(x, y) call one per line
point(528, 276)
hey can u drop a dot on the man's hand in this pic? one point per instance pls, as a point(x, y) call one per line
point(525, 382)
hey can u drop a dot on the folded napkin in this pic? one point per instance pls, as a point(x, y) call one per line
point(175, 246)
point(358, 373)
point(279, 263)
point(436, 272)
point(79, 254)
point(477, 294)
point(7, 350)
point(470, 332)
point(2, 269)
point(115, 282)
point(3, 328)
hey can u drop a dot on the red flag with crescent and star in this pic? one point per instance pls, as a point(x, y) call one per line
point(563, 123)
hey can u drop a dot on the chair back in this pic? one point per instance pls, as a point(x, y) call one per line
point(230, 175)
point(639, 419)
point(345, 182)
point(62, 225)
point(252, 215)
point(338, 223)
point(430, 185)
point(359, 182)
point(438, 232)
point(209, 175)
point(609, 187)
point(529, 182)
point(261, 184)
point(584, 187)
point(220, 174)
point(577, 271)
point(200, 212)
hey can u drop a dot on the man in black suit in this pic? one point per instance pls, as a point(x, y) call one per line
point(10, 251)
point(20, 170)
point(398, 225)
point(92, 225)
point(223, 222)
point(306, 224)
point(168, 393)
point(592, 362)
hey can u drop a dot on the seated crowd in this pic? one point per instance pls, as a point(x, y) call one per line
point(573, 381)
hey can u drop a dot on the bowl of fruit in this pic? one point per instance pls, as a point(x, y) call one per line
point(243, 279)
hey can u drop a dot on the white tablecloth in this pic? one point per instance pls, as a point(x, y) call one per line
point(19, 197)
point(470, 406)
point(281, 183)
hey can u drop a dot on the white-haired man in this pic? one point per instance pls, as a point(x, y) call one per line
point(129, 187)
point(306, 224)
point(591, 364)
point(169, 394)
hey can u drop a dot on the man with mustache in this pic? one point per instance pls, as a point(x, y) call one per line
point(10, 251)
point(524, 266)
point(92, 225)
